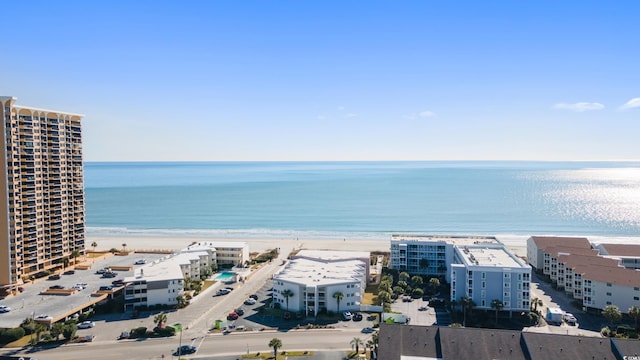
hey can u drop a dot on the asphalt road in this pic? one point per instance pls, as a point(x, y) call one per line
point(197, 319)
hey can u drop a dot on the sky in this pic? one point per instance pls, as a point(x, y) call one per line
point(332, 80)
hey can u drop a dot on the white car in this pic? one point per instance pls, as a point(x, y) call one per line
point(77, 287)
point(141, 262)
point(4, 309)
point(250, 301)
point(86, 325)
point(43, 317)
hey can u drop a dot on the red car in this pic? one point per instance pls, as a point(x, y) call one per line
point(232, 316)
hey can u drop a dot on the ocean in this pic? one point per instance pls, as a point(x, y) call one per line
point(369, 200)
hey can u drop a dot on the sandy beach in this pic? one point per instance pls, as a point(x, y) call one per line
point(142, 243)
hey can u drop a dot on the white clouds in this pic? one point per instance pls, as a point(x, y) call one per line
point(321, 117)
point(580, 106)
point(422, 114)
point(631, 104)
point(427, 114)
point(351, 115)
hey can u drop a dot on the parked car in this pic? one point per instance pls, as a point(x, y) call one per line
point(56, 287)
point(69, 272)
point(109, 274)
point(106, 288)
point(86, 325)
point(367, 330)
point(102, 271)
point(346, 316)
point(229, 288)
point(4, 309)
point(240, 311)
point(185, 349)
point(54, 277)
point(570, 319)
point(254, 296)
point(250, 301)
point(233, 316)
point(118, 282)
point(43, 317)
point(357, 316)
point(141, 262)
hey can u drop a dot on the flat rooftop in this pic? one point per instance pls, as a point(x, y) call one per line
point(315, 272)
point(162, 269)
point(489, 256)
point(205, 245)
point(449, 239)
point(332, 255)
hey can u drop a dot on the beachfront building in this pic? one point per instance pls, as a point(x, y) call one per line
point(488, 272)
point(542, 251)
point(158, 283)
point(335, 256)
point(226, 254)
point(310, 285)
point(430, 255)
point(627, 254)
point(41, 191)
point(593, 275)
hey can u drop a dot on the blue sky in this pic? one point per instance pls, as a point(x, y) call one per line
point(333, 80)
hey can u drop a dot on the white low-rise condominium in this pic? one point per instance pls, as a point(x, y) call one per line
point(157, 283)
point(314, 285)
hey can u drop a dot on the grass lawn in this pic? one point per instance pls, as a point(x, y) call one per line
point(369, 294)
point(24, 341)
point(206, 284)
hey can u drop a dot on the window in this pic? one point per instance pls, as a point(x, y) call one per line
point(484, 275)
point(608, 284)
point(608, 302)
point(636, 298)
point(484, 284)
point(608, 294)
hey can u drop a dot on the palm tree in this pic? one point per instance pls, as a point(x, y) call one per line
point(287, 294)
point(74, 255)
point(612, 313)
point(94, 245)
point(466, 303)
point(275, 343)
point(535, 302)
point(124, 247)
point(434, 283)
point(56, 330)
point(498, 305)
point(416, 281)
point(404, 276)
point(39, 329)
point(160, 319)
point(338, 295)
point(634, 312)
point(356, 342)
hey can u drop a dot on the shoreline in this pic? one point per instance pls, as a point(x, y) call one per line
point(176, 243)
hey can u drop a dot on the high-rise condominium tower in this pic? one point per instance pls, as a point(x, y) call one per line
point(41, 192)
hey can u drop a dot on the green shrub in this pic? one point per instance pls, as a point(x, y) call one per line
point(11, 335)
point(166, 331)
point(139, 332)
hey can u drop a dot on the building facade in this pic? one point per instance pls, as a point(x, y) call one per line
point(597, 278)
point(310, 285)
point(158, 283)
point(429, 255)
point(41, 191)
point(484, 273)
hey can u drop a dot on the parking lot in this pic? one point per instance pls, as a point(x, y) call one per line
point(32, 303)
point(258, 316)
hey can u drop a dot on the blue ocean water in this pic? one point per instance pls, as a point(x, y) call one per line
point(362, 199)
